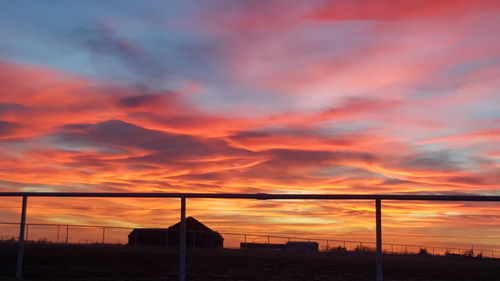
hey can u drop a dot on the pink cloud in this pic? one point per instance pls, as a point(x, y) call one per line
point(398, 10)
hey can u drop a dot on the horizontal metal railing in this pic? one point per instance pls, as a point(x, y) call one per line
point(261, 196)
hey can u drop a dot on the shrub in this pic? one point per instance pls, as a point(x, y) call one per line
point(468, 253)
point(11, 239)
point(43, 241)
point(423, 252)
point(363, 248)
point(338, 249)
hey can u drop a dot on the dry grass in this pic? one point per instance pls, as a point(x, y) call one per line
point(59, 262)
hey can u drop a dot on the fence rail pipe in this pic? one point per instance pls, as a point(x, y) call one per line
point(261, 196)
point(20, 253)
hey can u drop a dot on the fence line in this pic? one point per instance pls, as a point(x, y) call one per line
point(339, 242)
point(259, 196)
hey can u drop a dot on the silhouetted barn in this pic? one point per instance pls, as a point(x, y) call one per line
point(148, 237)
point(198, 235)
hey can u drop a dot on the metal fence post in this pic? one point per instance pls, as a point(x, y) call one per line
point(20, 253)
point(103, 234)
point(67, 234)
point(182, 244)
point(378, 207)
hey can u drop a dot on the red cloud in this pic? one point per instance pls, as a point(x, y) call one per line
point(399, 10)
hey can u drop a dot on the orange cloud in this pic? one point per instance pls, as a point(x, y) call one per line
point(60, 132)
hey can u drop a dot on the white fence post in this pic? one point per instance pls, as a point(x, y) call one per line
point(378, 212)
point(182, 241)
point(20, 253)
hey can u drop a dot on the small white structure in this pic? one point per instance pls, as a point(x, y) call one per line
point(310, 247)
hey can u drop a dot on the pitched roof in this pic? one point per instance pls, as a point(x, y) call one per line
point(191, 224)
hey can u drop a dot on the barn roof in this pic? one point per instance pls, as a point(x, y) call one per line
point(149, 230)
point(191, 224)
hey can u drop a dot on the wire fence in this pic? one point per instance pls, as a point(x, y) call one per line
point(105, 234)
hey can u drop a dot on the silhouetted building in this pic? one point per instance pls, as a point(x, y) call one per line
point(149, 237)
point(198, 235)
point(289, 246)
point(311, 247)
point(260, 246)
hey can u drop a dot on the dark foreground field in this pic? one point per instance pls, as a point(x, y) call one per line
point(59, 262)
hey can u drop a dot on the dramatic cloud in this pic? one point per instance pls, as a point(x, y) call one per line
point(255, 96)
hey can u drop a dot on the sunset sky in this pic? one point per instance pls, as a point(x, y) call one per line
point(318, 96)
